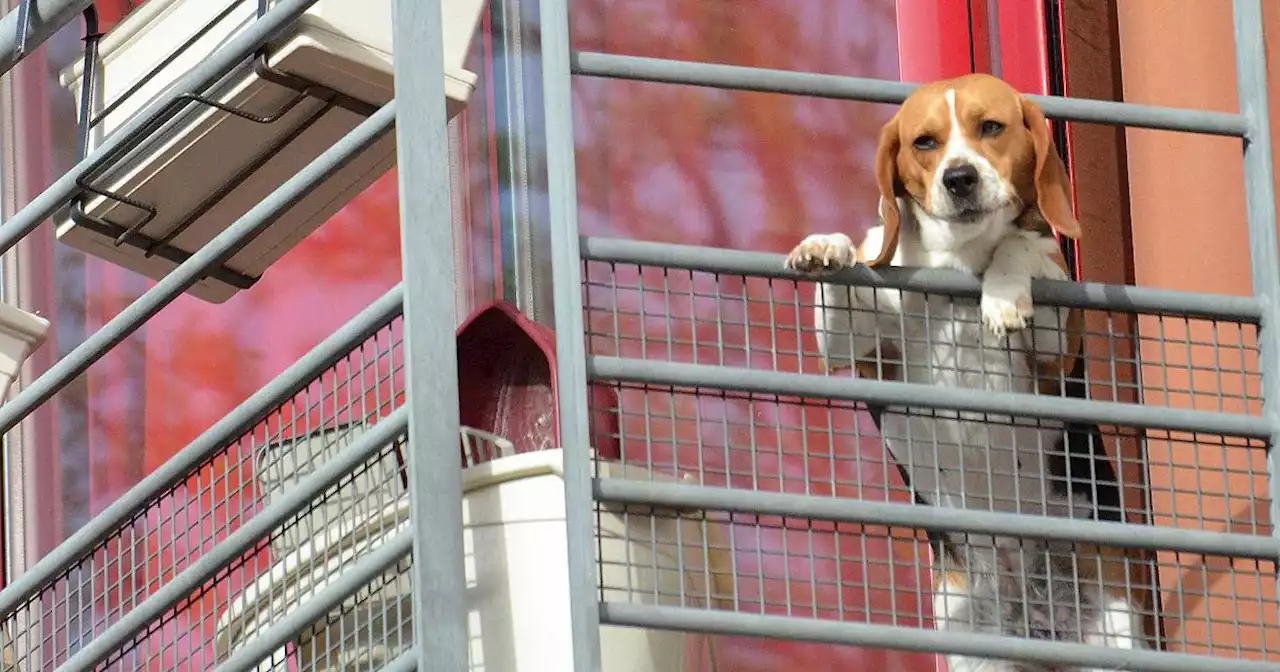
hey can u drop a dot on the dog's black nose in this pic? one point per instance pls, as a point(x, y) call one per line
point(961, 180)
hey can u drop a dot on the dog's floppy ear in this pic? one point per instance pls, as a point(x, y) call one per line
point(1053, 187)
point(887, 181)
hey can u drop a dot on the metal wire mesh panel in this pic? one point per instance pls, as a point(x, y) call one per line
point(1221, 605)
point(182, 525)
point(368, 631)
point(325, 540)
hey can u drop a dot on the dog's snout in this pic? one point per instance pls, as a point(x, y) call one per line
point(960, 181)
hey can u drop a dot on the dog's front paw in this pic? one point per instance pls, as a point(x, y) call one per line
point(1006, 307)
point(822, 252)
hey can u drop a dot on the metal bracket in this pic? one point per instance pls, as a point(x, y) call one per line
point(24, 25)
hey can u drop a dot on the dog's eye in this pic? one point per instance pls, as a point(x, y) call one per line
point(925, 143)
point(990, 129)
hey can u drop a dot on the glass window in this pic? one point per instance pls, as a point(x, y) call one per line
point(747, 171)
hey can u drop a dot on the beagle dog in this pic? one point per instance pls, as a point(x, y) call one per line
point(970, 180)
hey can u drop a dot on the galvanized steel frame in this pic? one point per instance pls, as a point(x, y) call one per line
point(423, 154)
point(430, 417)
point(576, 369)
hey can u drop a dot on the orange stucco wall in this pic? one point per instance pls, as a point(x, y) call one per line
point(1188, 233)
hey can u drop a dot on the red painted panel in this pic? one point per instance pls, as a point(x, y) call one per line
point(1022, 46)
point(980, 35)
point(933, 39)
point(111, 11)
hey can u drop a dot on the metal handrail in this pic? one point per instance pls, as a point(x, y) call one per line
point(188, 460)
point(867, 89)
point(251, 533)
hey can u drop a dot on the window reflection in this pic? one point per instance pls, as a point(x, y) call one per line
point(752, 171)
point(655, 162)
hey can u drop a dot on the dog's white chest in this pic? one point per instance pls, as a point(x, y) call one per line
point(964, 459)
point(947, 346)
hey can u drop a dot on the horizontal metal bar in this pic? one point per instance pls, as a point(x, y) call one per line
point(179, 467)
point(189, 272)
point(249, 534)
point(1056, 654)
point(46, 18)
point(247, 655)
point(405, 662)
point(225, 59)
point(885, 91)
point(935, 518)
point(1084, 295)
point(892, 393)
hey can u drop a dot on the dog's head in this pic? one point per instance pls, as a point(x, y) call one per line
point(971, 152)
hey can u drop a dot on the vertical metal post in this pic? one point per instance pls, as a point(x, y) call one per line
point(571, 373)
point(1260, 209)
point(431, 358)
